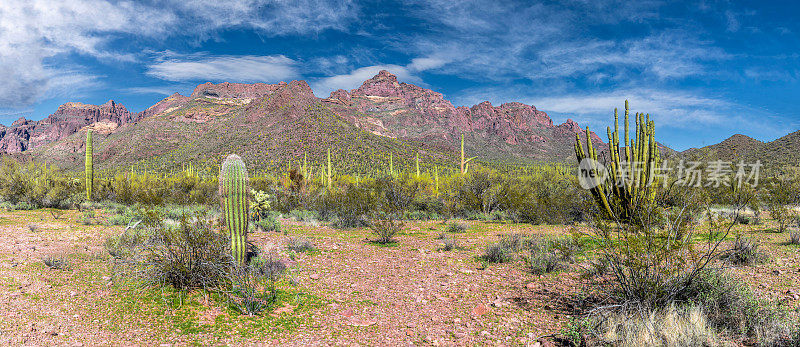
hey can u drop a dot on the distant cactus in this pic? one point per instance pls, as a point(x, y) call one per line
point(233, 198)
point(329, 168)
point(464, 161)
point(89, 166)
point(417, 165)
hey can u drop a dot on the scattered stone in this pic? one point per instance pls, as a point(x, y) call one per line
point(314, 276)
point(480, 310)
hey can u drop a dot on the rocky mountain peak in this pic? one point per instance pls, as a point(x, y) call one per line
point(383, 84)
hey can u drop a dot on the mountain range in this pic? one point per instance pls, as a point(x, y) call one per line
point(275, 125)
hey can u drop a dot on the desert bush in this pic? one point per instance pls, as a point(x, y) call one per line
point(449, 244)
point(268, 223)
point(744, 251)
point(252, 286)
point(56, 213)
point(732, 308)
point(385, 226)
point(24, 206)
point(188, 254)
point(456, 228)
point(550, 254)
point(303, 215)
point(497, 253)
point(794, 238)
point(55, 262)
point(351, 204)
point(545, 262)
point(299, 244)
point(781, 193)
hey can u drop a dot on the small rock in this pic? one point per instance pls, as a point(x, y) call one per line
point(73, 293)
point(530, 285)
point(480, 310)
point(314, 276)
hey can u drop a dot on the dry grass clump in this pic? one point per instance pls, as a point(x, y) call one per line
point(668, 327)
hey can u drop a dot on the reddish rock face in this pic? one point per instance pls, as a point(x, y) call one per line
point(235, 90)
point(570, 128)
point(381, 105)
point(68, 119)
point(513, 123)
point(163, 105)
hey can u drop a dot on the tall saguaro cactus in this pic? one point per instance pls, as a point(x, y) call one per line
point(631, 182)
point(417, 165)
point(233, 198)
point(464, 161)
point(329, 168)
point(89, 166)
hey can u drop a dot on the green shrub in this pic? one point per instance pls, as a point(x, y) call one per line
point(56, 262)
point(449, 244)
point(744, 251)
point(497, 253)
point(456, 228)
point(268, 223)
point(252, 286)
point(385, 227)
point(299, 244)
point(794, 238)
point(304, 215)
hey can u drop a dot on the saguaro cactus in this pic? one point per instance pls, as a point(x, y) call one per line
point(329, 168)
point(233, 198)
point(89, 166)
point(464, 162)
point(631, 182)
point(417, 165)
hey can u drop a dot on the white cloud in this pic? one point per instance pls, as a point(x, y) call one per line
point(245, 68)
point(35, 33)
point(323, 87)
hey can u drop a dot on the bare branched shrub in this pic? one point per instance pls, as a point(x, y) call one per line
point(385, 227)
point(56, 213)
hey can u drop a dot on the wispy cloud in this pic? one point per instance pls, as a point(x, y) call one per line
point(33, 32)
point(406, 73)
point(245, 68)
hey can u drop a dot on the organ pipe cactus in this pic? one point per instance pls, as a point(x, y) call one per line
point(89, 166)
point(630, 181)
point(233, 198)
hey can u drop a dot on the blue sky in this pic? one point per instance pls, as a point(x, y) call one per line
point(704, 70)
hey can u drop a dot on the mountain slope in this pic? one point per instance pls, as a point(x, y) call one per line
point(510, 131)
point(280, 123)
